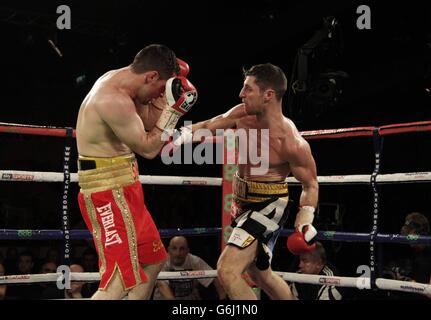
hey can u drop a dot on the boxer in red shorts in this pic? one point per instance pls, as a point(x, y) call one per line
point(126, 112)
point(114, 211)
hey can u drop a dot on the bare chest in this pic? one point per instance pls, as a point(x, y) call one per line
point(253, 140)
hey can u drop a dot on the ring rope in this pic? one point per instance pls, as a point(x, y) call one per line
point(353, 282)
point(39, 176)
point(11, 175)
point(313, 134)
point(79, 234)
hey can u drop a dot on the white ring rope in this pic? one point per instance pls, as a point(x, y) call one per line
point(405, 286)
point(95, 276)
point(353, 282)
point(36, 176)
point(325, 280)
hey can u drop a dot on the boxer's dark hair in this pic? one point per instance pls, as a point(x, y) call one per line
point(156, 57)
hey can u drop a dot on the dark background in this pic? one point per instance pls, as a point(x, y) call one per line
point(389, 70)
point(389, 65)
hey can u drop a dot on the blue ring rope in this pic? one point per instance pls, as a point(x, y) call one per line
point(13, 234)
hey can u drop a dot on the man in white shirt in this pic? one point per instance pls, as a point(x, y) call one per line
point(180, 259)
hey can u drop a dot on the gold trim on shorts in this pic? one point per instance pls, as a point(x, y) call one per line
point(102, 162)
point(97, 232)
point(253, 191)
point(131, 233)
point(110, 173)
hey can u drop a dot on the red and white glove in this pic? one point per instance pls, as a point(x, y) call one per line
point(302, 240)
point(184, 67)
point(181, 95)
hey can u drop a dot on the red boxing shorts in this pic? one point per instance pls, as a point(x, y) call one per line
point(111, 201)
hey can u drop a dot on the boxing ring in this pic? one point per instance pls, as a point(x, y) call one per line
point(373, 180)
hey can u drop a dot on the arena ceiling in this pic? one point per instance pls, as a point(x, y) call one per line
point(389, 66)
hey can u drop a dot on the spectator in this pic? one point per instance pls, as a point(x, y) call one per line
point(49, 290)
point(24, 291)
point(11, 260)
point(75, 291)
point(53, 255)
point(89, 261)
point(48, 267)
point(180, 259)
point(315, 262)
point(418, 224)
point(413, 262)
point(25, 263)
point(2, 287)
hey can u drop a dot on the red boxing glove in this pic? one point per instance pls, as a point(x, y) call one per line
point(302, 240)
point(181, 95)
point(184, 67)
